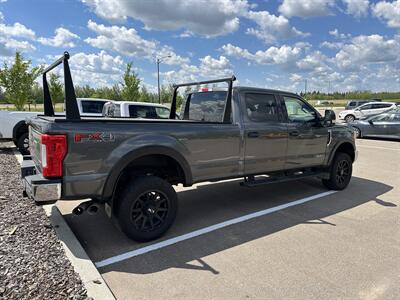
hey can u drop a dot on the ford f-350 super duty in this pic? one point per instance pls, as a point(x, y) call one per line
point(131, 165)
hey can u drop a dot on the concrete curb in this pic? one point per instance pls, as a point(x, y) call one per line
point(91, 278)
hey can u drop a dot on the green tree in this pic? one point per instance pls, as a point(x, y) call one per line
point(56, 89)
point(131, 84)
point(17, 80)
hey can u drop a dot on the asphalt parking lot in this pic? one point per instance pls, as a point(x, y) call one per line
point(339, 245)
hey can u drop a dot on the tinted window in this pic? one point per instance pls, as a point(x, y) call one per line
point(352, 103)
point(367, 106)
point(92, 107)
point(205, 106)
point(261, 108)
point(298, 111)
point(148, 112)
point(383, 117)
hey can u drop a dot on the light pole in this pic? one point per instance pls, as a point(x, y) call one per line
point(159, 60)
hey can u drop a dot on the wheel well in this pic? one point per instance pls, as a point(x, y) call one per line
point(162, 166)
point(19, 130)
point(348, 149)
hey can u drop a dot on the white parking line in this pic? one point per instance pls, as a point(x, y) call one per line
point(377, 147)
point(156, 246)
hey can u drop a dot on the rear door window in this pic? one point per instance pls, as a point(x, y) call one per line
point(261, 107)
point(367, 106)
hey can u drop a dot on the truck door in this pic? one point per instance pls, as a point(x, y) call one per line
point(264, 132)
point(307, 138)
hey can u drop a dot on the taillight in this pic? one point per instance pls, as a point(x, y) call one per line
point(53, 151)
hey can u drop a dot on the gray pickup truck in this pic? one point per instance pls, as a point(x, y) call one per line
point(130, 165)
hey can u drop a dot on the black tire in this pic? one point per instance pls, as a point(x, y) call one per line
point(349, 118)
point(147, 209)
point(23, 144)
point(358, 132)
point(340, 172)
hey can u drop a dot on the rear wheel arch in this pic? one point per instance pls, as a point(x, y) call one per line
point(19, 129)
point(161, 161)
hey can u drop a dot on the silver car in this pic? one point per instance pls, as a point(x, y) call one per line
point(383, 125)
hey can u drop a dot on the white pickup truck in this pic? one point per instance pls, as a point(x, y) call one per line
point(129, 109)
point(13, 127)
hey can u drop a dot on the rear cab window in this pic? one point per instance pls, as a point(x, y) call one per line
point(148, 112)
point(92, 106)
point(204, 106)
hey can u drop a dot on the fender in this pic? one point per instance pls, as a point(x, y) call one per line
point(337, 145)
point(15, 129)
point(112, 179)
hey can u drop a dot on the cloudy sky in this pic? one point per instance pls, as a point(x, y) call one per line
point(335, 45)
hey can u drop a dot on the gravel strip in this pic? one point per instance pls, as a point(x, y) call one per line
point(33, 264)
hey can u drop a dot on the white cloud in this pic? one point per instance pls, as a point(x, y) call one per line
point(306, 8)
point(95, 69)
point(16, 30)
point(9, 46)
point(127, 41)
point(335, 33)
point(314, 62)
point(10, 35)
point(331, 45)
point(388, 11)
point(211, 18)
point(272, 28)
point(211, 67)
point(283, 55)
point(63, 38)
point(357, 8)
point(367, 49)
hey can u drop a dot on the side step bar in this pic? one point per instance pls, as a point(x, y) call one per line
point(251, 181)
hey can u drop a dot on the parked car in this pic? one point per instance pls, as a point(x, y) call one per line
point(383, 125)
point(128, 109)
point(365, 110)
point(130, 164)
point(13, 126)
point(356, 103)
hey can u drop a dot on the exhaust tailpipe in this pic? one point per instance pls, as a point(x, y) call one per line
point(81, 208)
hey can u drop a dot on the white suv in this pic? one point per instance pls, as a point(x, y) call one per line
point(365, 110)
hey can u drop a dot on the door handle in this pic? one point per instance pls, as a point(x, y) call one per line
point(294, 133)
point(253, 134)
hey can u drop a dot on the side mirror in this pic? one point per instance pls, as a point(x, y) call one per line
point(371, 122)
point(329, 116)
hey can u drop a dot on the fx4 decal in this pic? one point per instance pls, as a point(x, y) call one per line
point(94, 137)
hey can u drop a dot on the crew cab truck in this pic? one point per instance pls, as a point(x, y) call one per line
point(131, 165)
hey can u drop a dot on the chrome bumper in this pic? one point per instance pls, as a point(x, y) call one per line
point(38, 188)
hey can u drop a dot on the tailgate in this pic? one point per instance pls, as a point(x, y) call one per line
point(35, 147)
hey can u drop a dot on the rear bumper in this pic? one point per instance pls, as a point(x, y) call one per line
point(38, 188)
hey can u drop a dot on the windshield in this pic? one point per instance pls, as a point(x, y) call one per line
point(148, 112)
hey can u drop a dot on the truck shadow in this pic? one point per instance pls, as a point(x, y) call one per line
point(210, 204)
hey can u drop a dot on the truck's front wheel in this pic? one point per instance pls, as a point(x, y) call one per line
point(147, 209)
point(340, 172)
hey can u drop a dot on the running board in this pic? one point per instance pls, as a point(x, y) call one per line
point(251, 181)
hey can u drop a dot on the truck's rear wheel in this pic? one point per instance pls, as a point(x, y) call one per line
point(147, 209)
point(340, 172)
point(23, 144)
